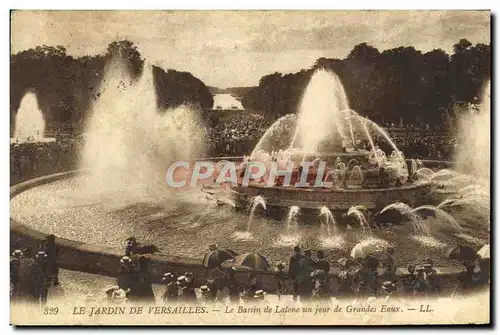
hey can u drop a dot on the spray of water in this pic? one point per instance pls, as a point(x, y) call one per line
point(128, 140)
point(318, 119)
point(292, 223)
point(327, 221)
point(252, 206)
point(473, 155)
point(358, 212)
point(30, 124)
point(420, 226)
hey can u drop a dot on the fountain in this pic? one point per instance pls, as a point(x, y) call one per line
point(328, 221)
point(128, 140)
point(252, 205)
point(358, 212)
point(292, 223)
point(30, 124)
point(342, 148)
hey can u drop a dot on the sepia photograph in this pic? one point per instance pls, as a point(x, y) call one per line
point(257, 167)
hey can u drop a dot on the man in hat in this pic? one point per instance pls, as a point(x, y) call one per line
point(41, 278)
point(260, 297)
point(131, 246)
point(186, 285)
point(128, 278)
point(421, 286)
point(52, 251)
point(206, 297)
point(294, 269)
point(306, 267)
point(431, 278)
point(388, 288)
point(410, 280)
point(172, 290)
point(15, 267)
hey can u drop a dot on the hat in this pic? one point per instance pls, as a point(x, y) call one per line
point(204, 288)
point(419, 268)
point(259, 294)
point(387, 284)
point(280, 266)
point(17, 253)
point(41, 254)
point(181, 279)
point(125, 259)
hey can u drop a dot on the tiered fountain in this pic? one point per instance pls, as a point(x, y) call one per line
point(356, 152)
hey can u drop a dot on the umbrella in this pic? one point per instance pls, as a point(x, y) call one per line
point(461, 253)
point(367, 247)
point(484, 252)
point(232, 252)
point(254, 261)
point(215, 258)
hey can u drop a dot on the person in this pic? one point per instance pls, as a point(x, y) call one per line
point(306, 267)
point(186, 282)
point(432, 279)
point(421, 285)
point(128, 279)
point(131, 246)
point(280, 279)
point(320, 288)
point(233, 285)
point(388, 264)
point(212, 286)
point(409, 280)
point(388, 289)
point(206, 297)
point(293, 270)
point(145, 285)
point(41, 278)
point(322, 264)
point(368, 274)
point(347, 276)
point(253, 284)
point(260, 297)
point(15, 268)
point(172, 290)
point(52, 251)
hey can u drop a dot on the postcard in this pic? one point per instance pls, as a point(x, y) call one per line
point(250, 167)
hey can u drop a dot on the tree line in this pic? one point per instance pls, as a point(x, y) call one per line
point(400, 83)
point(66, 86)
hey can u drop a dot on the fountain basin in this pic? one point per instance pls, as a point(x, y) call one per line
point(335, 200)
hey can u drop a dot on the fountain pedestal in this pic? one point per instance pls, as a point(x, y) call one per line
point(280, 199)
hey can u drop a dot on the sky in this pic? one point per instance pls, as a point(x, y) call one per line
point(236, 48)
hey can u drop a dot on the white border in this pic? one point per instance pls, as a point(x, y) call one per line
point(186, 4)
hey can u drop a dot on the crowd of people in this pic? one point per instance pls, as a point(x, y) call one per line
point(34, 159)
point(305, 278)
point(240, 135)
